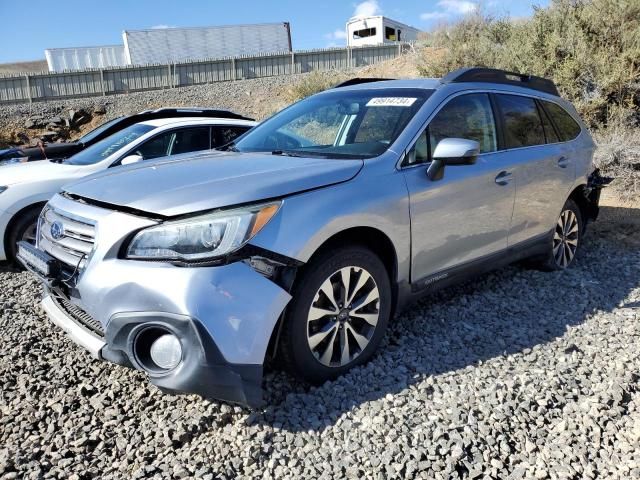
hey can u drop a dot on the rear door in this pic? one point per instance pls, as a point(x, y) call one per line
point(465, 216)
point(543, 167)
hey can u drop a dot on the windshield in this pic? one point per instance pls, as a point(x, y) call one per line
point(339, 124)
point(107, 146)
point(88, 137)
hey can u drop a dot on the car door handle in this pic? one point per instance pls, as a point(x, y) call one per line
point(503, 178)
point(563, 162)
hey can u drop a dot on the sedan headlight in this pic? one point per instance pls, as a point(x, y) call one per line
point(2, 189)
point(201, 238)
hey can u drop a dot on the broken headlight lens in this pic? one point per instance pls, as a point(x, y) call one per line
point(201, 238)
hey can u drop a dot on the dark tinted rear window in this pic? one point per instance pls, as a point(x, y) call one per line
point(522, 124)
point(567, 127)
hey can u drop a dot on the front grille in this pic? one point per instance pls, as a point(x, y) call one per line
point(77, 314)
point(75, 237)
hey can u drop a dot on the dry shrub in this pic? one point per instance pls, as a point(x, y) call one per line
point(590, 48)
point(618, 155)
point(313, 82)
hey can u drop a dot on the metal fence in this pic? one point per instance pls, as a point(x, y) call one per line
point(109, 81)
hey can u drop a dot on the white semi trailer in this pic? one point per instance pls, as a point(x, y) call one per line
point(169, 45)
point(79, 58)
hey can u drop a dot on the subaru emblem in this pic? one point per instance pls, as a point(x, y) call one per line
point(57, 230)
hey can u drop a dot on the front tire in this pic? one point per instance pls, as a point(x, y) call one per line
point(338, 315)
point(566, 239)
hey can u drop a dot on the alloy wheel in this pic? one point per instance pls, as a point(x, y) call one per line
point(343, 316)
point(565, 238)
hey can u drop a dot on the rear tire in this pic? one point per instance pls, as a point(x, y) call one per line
point(338, 315)
point(23, 228)
point(566, 239)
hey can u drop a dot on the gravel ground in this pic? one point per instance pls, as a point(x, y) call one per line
point(519, 374)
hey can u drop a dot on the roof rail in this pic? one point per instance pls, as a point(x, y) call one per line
point(357, 81)
point(168, 112)
point(494, 75)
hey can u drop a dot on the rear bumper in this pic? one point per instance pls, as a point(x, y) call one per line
point(595, 184)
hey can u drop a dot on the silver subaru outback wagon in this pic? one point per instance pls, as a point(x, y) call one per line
point(304, 237)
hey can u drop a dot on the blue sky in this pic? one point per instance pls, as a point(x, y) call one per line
point(29, 28)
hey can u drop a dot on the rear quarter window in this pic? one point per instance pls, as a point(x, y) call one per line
point(568, 128)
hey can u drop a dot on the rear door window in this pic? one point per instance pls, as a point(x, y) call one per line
point(227, 134)
point(191, 140)
point(522, 123)
point(567, 127)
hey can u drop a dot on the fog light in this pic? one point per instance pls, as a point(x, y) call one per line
point(166, 351)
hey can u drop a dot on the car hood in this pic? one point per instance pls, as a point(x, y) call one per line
point(13, 173)
point(204, 182)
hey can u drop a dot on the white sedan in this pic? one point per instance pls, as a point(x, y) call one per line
point(26, 187)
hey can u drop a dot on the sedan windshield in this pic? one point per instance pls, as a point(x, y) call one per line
point(107, 146)
point(337, 124)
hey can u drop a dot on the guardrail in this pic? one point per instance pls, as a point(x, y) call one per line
point(37, 87)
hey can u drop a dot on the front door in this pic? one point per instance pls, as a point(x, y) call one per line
point(466, 215)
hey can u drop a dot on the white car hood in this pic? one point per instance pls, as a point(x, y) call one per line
point(15, 173)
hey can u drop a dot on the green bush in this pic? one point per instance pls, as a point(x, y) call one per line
point(590, 48)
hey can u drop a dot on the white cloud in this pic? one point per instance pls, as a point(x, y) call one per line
point(433, 16)
point(367, 8)
point(336, 35)
point(161, 26)
point(336, 38)
point(450, 8)
point(460, 7)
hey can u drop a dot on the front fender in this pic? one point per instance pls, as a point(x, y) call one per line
point(306, 221)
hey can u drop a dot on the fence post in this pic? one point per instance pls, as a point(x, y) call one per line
point(168, 75)
point(293, 63)
point(233, 68)
point(28, 88)
point(104, 91)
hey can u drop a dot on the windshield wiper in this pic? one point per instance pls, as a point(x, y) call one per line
point(290, 153)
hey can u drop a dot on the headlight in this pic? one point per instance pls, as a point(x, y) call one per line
point(2, 189)
point(201, 238)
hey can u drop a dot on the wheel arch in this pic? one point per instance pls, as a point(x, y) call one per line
point(15, 218)
point(369, 237)
point(587, 202)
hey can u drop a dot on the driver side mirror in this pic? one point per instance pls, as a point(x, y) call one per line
point(452, 151)
point(129, 159)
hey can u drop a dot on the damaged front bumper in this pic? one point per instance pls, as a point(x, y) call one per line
point(224, 316)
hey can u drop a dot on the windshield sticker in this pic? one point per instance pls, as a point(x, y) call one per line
point(391, 102)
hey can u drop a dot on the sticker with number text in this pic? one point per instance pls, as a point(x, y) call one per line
point(391, 102)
